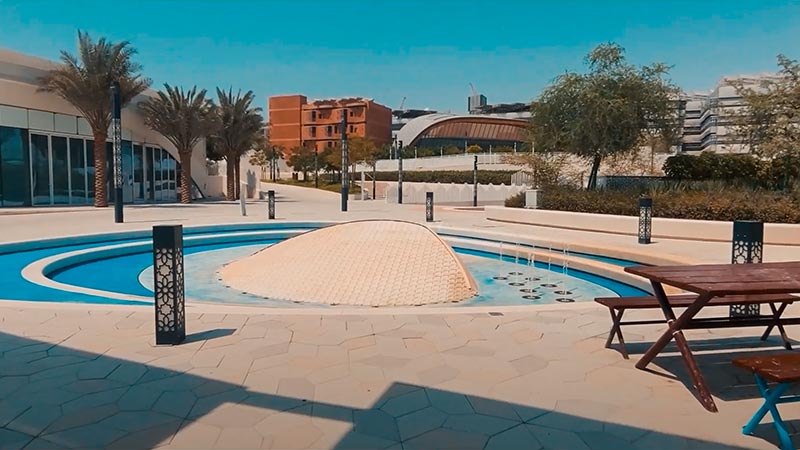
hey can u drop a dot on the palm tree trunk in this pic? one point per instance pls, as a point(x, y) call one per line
point(186, 176)
point(100, 175)
point(238, 176)
point(230, 191)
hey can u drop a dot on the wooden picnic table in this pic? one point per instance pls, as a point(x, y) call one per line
point(709, 281)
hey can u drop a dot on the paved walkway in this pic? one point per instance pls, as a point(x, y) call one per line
point(541, 379)
point(90, 377)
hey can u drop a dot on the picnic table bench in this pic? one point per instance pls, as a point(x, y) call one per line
point(783, 369)
point(777, 302)
point(710, 281)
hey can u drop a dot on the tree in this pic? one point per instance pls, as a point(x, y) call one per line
point(85, 81)
point(184, 118)
point(241, 128)
point(770, 124)
point(474, 148)
point(302, 160)
point(606, 111)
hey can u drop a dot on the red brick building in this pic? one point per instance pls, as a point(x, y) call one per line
point(293, 121)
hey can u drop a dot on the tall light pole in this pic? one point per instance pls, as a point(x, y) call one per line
point(316, 167)
point(399, 172)
point(345, 186)
point(116, 124)
point(475, 182)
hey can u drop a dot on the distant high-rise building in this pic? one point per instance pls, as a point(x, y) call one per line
point(475, 102)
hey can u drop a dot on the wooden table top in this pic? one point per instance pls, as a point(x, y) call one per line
point(727, 279)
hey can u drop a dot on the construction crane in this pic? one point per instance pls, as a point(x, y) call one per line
point(402, 103)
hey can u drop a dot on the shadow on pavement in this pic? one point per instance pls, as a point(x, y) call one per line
point(53, 396)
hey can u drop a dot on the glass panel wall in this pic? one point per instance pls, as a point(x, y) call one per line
point(138, 174)
point(14, 167)
point(45, 169)
point(60, 166)
point(40, 169)
point(157, 174)
point(149, 173)
point(127, 172)
point(77, 164)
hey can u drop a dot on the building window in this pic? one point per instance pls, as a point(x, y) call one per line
point(352, 113)
point(313, 116)
point(313, 131)
point(352, 129)
point(329, 131)
point(330, 144)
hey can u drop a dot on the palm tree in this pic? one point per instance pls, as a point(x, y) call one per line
point(184, 118)
point(241, 129)
point(85, 81)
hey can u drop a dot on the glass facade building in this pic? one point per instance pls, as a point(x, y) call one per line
point(43, 168)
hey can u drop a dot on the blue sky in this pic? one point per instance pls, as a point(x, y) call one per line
point(428, 51)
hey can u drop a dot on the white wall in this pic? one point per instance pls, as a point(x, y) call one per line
point(414, 193)
point(702, 230)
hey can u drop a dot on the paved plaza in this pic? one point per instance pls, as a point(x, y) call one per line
point(90, 376)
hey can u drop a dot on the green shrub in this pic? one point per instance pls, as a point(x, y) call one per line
point(717, 204)
point(712, 166)
point(449, 176)
point(516, 201)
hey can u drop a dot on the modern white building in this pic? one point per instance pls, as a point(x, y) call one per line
point(46, 147)
point(708, 123)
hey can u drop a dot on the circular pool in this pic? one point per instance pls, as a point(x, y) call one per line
point(116, 268)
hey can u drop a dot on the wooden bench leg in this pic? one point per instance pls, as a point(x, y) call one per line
point(776, 315)
point(675, 331)
point(616, 329)
point(771, 399)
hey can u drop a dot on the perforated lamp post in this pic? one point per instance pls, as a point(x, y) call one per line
point(645, 219)
point(345, 186)
point(747, 248)
point(116, 138)
point(168, 284)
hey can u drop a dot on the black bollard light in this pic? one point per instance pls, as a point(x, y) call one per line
point(645, 219)
point(747, 248)
point(429, 206)
point(168, 284)
point(271, 204)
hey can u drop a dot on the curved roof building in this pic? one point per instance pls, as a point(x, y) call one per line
point(436, 130)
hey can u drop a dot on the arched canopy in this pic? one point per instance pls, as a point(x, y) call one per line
point(436, 130)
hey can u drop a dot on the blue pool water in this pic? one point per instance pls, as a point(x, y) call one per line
point(129, 274)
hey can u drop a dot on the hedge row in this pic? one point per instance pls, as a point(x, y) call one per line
point(771, 174)
point(449, 176)
point(723, 205)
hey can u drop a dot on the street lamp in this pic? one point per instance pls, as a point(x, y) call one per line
point(345, 186)
point(116, 136)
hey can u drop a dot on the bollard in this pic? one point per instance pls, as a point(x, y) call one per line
point(747, 248)
point(645, 219)
point(271, 204)
point(429, 206)
point(168, 284)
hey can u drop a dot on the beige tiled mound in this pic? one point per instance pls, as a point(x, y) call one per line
point(367, 263)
